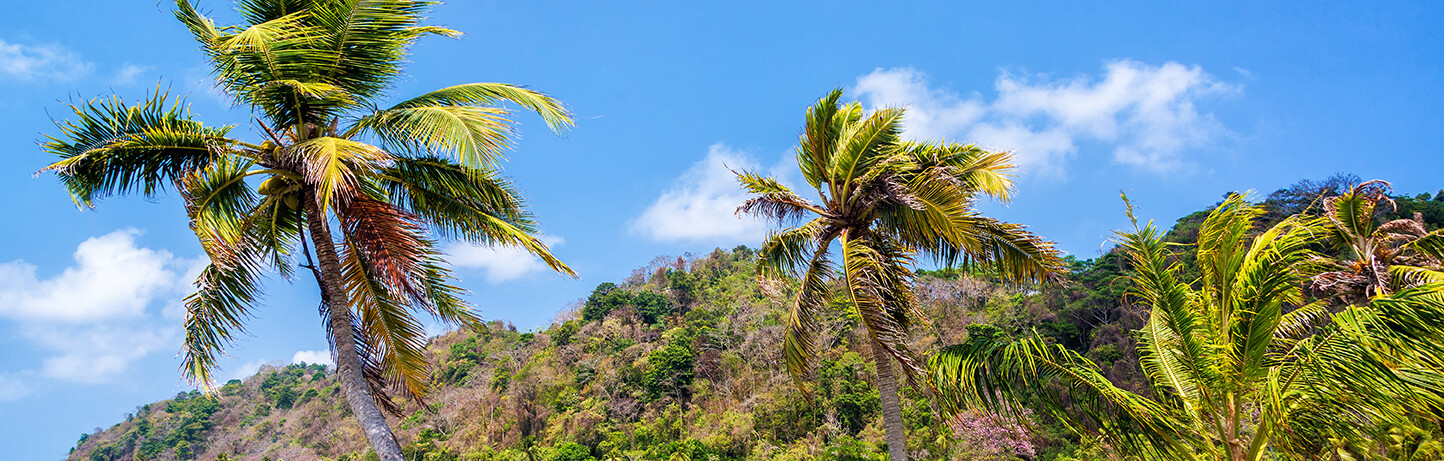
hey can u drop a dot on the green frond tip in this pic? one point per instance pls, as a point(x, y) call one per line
point(556, 115)
point(111, 147)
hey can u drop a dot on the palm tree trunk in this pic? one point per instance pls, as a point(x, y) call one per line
point(892, 421)
point(348, 361)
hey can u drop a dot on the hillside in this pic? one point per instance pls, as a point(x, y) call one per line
point(679, 361)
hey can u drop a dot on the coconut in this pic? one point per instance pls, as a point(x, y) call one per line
point(272, 186)
point(292, 201)
point(268, 147)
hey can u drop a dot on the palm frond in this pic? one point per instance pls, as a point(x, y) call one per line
point(799, 343)
point(391, 241)
point(784, 253)
point(862, 146)
point(262, 11)
point(995, 374)
point(1168, 371)
point(467, 203)
point(818, 142)
point(1301, 323)
point(366, 41)
point(258, 37)
point(1269, 280)
point(203, 28)
point(556, 115)
point(476, 135)
point(219, 204)
point(772, 200)
point(1431, 245)
point(877, 279)
point(1175, 309)
point(1222, 248)
point(1022, 256)
point(452, 197)
point(974, 169)
point(215, 313)
point(217, 310)
point(394, 341)
point(334, 166)
point(1353, 211)
point(115, 148)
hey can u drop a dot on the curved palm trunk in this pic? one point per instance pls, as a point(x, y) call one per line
point(892, 421)
point(348, 362)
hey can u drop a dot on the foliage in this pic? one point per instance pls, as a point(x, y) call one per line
point(1241, 366)
point(364, 179)
point(582, 381)
point(882, 200)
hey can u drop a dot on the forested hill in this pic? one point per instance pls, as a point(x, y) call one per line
point(679, 361)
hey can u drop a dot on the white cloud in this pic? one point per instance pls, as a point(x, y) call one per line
point(97, 353)
point(112, 279)
point(500, 263)
point(94, 319)
point(1147, 115)
point(128, 73)
point(49, 62)
point(14, 386)
point(703, 203)
point(322, 357)
point(250, 368)
point(932, 113)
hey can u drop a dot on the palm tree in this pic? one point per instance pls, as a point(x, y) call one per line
point(1377, 259)
point(883, 200)
point(346, 180)
point(1240, 363)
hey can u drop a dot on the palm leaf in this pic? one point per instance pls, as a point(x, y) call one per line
point(863, 146)
point(800, 339)
point(491, 94)
point(476, 135)
point(470, 204)
point(115, 148)
point(772, 199)
point(334, 166)
point(817, 144)
point(394, 341)
point(995, 374)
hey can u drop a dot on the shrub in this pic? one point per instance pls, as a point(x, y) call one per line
point(604, 299)
point(653, 307)
point(571, 451)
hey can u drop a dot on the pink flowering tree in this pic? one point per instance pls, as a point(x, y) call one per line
point(980, 437)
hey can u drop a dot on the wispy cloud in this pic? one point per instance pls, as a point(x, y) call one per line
point(14, 386)
point(97, 353)
point(500, 263)
point(41, 62)
point(702, 205)
point(1148, 116)
point(100, 315)
point(250, 368)
point(128, 74)
point(322, 357)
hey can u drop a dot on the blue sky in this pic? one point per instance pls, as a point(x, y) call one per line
point(1175, 104)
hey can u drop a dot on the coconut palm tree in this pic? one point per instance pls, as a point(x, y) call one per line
point(882, 201)
point(1242, 365)
point(1376, 259)
point(349, 184)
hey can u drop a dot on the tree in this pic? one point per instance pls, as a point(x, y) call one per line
point(346, 181)
point(1375, 259)
point(1241, 364)
point(883, 200)
point(1307, 194)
